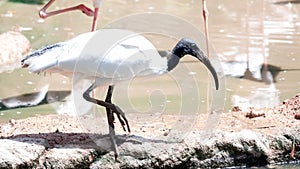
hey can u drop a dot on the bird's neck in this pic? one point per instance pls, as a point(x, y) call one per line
point(173, 60)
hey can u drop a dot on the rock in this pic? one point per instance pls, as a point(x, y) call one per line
point(244, 148)
point(13, 47)
point(236, 109)
point(21, 153)
point(223, 149)
point(12, 121)
point(68, 158)
point(297, 116)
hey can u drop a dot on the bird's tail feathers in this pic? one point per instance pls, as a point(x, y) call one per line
point(40, 64)
point(43, 58)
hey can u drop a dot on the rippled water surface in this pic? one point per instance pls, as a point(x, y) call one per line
point(256, 43)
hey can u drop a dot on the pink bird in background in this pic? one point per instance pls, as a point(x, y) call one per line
point(84, 9)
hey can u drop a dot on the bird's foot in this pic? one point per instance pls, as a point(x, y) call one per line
point(122, 118)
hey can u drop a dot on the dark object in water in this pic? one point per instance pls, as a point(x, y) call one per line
point(38, 2)
point(33, 99)
point(268, 73)
point(287, 2)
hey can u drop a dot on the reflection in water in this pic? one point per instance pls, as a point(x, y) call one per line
point(264, 73)
point(263, 46)
point(260, 98)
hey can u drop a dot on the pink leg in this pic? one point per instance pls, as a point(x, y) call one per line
point(43, 14)
point(95, 19)
point(205, 18)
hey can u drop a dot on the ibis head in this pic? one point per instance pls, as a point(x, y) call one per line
point(188, 47)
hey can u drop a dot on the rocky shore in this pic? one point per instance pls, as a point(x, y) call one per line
point(256, 137)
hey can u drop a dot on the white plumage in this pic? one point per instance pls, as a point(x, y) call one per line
point(129, 56)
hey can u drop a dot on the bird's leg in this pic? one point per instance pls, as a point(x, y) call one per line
point(205, 19)
point(84, 9)
point(120, 117)
point(96, 4)
point(94, 24)
point(111, 119)
point(112, 109)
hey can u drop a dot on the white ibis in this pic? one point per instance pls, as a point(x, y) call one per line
point(115, 55)
point(84, 9)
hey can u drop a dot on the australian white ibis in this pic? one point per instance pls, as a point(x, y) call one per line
point(84, 9)
point(109, 56)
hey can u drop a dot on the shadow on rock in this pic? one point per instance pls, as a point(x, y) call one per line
point(72, 150)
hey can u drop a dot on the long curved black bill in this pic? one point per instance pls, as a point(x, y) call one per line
point(204, 59)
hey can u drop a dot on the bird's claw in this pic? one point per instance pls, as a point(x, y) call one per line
point(122, 118)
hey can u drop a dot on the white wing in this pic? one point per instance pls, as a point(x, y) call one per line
point(133, 56)
point(110, 53)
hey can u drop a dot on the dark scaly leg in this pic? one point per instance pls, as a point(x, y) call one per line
point(111, 119)
point(110, 109)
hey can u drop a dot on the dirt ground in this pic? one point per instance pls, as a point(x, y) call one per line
point(267, 120)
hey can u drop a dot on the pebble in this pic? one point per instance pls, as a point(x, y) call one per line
point(12, 121)
point(297, 116)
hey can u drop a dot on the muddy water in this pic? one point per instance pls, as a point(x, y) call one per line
point(256, 42)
